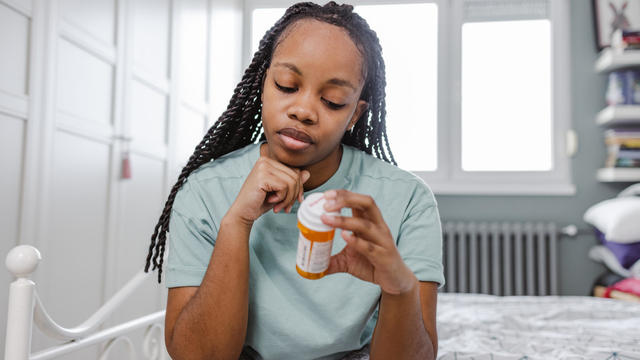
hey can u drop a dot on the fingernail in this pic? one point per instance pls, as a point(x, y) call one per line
point(329, 218)
point(331, 194)
point(329, 204)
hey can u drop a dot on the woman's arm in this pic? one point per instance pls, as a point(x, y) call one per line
point(210, 321)
point(406, 327)
point(406, 320)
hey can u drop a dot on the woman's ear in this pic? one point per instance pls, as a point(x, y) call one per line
point(361, 108)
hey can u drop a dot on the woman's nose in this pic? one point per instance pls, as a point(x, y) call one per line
point(302, 110)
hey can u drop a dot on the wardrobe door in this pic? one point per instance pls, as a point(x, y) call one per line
point(15, 29)
point(80, 191)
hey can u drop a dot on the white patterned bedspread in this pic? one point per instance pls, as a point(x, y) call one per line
point(479, 327)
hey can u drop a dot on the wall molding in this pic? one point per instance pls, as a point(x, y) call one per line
point(72, 124)
point(14, 105)
point(24, 7)
point(158, 84)
point(87, 42)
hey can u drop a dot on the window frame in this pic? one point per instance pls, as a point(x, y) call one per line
point(449, 178)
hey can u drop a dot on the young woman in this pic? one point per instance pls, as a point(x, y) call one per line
point(315, 91)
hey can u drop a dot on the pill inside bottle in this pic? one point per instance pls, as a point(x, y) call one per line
point(315, 239)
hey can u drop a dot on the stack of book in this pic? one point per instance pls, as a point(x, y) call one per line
point(623, 148)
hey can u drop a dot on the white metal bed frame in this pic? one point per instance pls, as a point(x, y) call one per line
point(25, 308)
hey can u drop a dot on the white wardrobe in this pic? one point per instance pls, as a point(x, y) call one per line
point(83, 83)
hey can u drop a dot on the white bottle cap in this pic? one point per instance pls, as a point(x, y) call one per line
point(311, 210)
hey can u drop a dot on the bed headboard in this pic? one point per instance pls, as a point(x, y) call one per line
point(25, 309)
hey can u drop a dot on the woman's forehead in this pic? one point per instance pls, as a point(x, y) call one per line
point(316, 46)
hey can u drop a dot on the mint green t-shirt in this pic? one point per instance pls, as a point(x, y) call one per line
point(290, 316)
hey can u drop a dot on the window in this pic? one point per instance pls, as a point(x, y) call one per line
point(496, 118)
point(477, 91)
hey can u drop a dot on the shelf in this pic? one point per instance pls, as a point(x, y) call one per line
point(619, 175)
point(615, 59)
point(619, 114)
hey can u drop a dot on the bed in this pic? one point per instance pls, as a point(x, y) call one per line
point(472, 326)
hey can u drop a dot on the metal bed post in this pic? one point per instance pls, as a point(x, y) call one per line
point(21, 261)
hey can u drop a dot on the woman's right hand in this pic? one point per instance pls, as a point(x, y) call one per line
point(270, 184)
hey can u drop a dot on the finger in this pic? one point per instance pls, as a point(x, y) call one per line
point(304, 176)
point(294, 194)
point(273, 198)
point(365, 248)
point(290, 192)
point(338, 199)
point(338, 263)
point(276, 188)
point(277, 168)
point(361, 226)
point(294, 173)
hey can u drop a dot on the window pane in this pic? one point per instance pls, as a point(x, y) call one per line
point(408, 35)
point(263, 20)
point(506, 96)
point(411, 73)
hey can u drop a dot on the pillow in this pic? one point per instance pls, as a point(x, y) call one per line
point(618, 219)
point(626, 254)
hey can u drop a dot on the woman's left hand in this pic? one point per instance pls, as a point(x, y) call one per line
point(371, 253)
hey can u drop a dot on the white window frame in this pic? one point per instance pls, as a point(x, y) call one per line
point(449, 178)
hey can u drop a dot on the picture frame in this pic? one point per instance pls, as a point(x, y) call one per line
point(609, 15)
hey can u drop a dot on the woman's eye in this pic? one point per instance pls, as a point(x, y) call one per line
point(333, 106)
point(284, 88)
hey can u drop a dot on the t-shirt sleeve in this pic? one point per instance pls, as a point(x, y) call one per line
point(192, 234)
point(420, 237)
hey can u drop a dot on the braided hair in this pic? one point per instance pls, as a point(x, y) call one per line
point(240, 124)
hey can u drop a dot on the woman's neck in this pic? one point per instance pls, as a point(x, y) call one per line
point(320, 172)
point(323, 170)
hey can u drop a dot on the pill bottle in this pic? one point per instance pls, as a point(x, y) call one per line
point(315, 239)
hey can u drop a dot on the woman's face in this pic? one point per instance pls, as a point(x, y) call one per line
point(311, 93)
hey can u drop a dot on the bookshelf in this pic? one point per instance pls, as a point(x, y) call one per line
point(610, 60)
point(618, 175)
point(627, 116)
point(619, 115)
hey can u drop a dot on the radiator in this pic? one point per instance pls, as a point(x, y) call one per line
point(500, 258)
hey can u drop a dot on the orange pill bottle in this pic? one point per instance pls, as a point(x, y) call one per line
point(315, 240)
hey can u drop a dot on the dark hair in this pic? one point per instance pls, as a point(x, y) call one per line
point(240, 124)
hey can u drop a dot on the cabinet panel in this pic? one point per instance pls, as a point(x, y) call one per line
point(96, 17)
point(14, 46)
point(151, 20)
point(190, 129)
point(193, 50)
point(77, 218)
point(148, 115)
point(85, 84)
point(11, 158)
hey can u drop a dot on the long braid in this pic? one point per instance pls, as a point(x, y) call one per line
point(241, 123)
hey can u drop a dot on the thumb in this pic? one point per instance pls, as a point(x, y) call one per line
point(337, 263)
point(304, 176)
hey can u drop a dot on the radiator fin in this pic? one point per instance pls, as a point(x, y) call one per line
point(500, 258)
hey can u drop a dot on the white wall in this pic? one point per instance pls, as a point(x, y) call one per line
point(83, 82)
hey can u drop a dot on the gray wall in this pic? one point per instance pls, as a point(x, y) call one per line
point(577, 271)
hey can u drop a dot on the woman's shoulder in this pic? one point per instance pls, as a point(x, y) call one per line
point(367, 165)
point(235, 164)
point(367, 169)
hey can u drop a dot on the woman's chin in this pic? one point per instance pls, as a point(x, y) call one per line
point(294, 159)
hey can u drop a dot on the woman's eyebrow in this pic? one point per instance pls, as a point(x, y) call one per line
point(333, 81)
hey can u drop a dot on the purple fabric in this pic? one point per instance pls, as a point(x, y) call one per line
point(627, 254)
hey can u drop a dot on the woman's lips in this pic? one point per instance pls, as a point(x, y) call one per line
point(294, 139)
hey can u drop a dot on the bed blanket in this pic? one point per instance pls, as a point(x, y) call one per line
point(472, 326)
